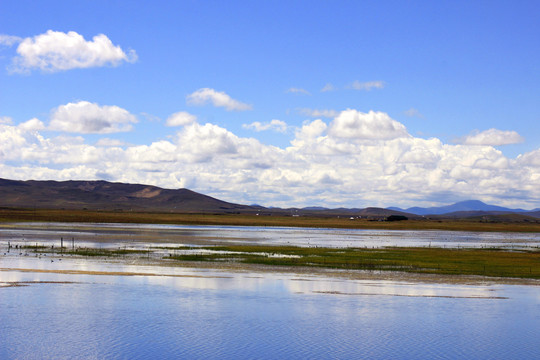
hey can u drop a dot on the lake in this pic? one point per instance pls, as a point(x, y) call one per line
point(68, 307)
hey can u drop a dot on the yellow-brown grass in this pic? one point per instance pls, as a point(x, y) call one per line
point(41, 215)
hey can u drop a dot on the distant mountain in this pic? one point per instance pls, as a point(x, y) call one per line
point(367, 213)
point(463, 206)
point(380, 212)
point(316, 208)
point(103, 195)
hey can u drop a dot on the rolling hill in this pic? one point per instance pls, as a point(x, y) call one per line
point(103, 195)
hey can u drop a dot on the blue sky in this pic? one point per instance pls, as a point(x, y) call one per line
point(299, 103)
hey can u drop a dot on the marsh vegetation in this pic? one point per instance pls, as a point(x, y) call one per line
point(489, 262)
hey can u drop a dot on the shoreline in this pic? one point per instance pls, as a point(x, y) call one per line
point(340, 222)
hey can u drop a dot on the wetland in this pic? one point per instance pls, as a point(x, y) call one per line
point(189, 291)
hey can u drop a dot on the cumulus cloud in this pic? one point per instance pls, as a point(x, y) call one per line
point(181, 118)
point(492, 137)
point(90, 118)
point(319, 113)
point(201, 143)
point(6, 120)
point(298, 91)
point(311, 130)
point(306, 135)
point(217, 98)
point(353, 124)
point(320, 166)
point(367, 86)
point(274, 125)
point(110, 142)
point(531, 160)
point(58, 51)
point(32, 125)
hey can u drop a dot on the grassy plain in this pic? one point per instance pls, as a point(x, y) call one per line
point(86, 216)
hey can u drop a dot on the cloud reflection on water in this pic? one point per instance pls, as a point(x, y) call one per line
point(118, 272)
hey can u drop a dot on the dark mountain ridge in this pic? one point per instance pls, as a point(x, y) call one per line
point(103, 195)
point(111, 196)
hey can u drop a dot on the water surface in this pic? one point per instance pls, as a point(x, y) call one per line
point(166, 312)
point(54, 307)
point(115, 234)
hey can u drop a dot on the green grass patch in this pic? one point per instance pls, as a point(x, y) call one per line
point(103, 252)
point(485, 262)
point(492, 262)
point(34, 247)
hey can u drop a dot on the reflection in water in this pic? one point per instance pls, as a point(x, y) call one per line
point(138, 235)
point(78, 308)
point(69, 307)
point(15, 269)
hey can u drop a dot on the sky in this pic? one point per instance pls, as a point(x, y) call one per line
point(277, 103)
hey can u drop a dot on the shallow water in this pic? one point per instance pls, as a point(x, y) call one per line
point(137, 235)
point(166, 312)
point(71, 307)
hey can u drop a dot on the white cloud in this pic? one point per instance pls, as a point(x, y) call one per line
point(110, 142)
point(531, 159)
point(32, 125)
point(58, 51)
point(6, 120)
point(412, 112)
point(203, 142)
point(319, 113)
point(181, 118)
point(492, 137)
point(90, 118)
point(150, 117)
point(275, 125)
point(367, 86)
point(217, 98)
point(298, 91)
point(328, 87)
point(309, 137)
point(353, 124)
point(310, 130)
point(9, 40)
point(321, 166)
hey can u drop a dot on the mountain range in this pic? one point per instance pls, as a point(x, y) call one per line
point(462, 206)
point(109, 196)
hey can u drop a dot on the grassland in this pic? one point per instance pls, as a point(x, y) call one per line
point(484, 262)
point(41, 215)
